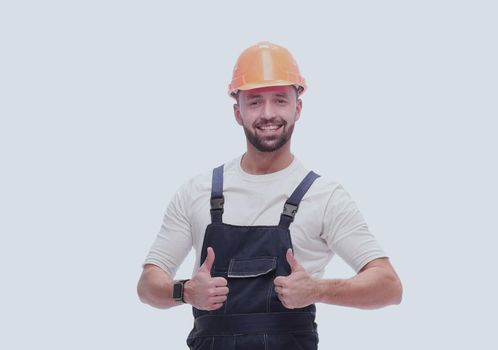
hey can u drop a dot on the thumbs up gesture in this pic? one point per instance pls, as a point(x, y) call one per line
point(298, 289)
point(203, 291)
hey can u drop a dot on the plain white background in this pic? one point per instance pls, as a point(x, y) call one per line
point(107, 107)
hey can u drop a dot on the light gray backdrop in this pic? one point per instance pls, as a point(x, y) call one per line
point(107, 107)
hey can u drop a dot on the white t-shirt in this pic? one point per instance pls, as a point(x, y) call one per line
point(327, 222)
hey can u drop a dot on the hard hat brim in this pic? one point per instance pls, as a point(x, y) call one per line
point(250, 86)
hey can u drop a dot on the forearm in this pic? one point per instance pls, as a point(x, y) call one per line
point(375, 287)
point(202, 291)
point(155, 288)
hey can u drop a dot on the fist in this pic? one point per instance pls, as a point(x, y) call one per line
point(203, 291)
point(298, 289)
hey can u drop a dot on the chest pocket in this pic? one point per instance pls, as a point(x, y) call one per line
point(254, 267)
point(250, 283)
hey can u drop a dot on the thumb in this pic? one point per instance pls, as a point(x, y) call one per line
point(208, 263)
point(294, 265)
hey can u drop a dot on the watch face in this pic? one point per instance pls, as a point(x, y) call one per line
point(177, 291)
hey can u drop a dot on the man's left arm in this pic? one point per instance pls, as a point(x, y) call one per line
point(376, 285)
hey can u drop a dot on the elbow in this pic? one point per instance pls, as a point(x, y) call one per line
point(142, 296)
point(393, 288)
point(144, 290)
point(152, 292)
point(392, 294)
point(396, 291)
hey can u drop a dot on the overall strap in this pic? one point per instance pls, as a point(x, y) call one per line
point(217, 199)
point(292, 204)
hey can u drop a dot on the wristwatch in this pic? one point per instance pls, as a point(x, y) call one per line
point(178, 290)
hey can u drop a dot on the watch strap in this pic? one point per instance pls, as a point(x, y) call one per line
point(179, 296)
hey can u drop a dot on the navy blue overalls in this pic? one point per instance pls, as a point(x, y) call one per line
point(250, 257)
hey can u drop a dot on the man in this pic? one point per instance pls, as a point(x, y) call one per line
point(264, 228)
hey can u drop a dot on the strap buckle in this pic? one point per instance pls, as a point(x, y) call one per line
point(290, 210)
point(217, 203)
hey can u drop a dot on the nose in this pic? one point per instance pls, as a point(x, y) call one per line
point(268, 110)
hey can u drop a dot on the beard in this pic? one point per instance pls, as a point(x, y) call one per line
point(268, 143)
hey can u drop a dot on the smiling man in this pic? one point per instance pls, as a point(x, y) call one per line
point(264, 228)
point(271, 124)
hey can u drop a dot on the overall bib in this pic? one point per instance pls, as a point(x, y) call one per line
point(249, 258)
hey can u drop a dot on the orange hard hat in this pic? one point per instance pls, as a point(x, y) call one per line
point(265, 64)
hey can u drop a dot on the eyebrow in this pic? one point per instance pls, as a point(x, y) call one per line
point(278, 94)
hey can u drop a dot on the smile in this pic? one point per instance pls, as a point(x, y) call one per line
point(269, 127)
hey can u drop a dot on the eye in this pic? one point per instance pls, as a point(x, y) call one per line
point(254, 103)
point(281, 101)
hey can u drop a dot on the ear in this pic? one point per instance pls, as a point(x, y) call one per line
point(236, 113)
point(299, 106)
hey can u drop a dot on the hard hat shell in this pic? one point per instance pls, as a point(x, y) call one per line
point(265, 64)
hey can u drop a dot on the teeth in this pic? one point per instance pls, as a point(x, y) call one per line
point(270, 127)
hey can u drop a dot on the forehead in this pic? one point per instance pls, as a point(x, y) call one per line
point(269, 91)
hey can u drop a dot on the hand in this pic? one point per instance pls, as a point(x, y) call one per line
point(298, 289)
point(203, 291)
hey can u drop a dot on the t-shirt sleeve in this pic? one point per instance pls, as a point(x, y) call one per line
point(346, 232)
point(174, 240)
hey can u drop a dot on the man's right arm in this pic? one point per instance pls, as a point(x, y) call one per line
point(171, 246)
point(155, 287)
point(204, 292)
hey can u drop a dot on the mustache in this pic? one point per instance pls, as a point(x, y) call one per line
point(272, 121)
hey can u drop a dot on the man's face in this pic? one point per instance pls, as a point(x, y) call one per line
point(268, 115)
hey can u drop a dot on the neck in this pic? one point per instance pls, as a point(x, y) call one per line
point(259, 163)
